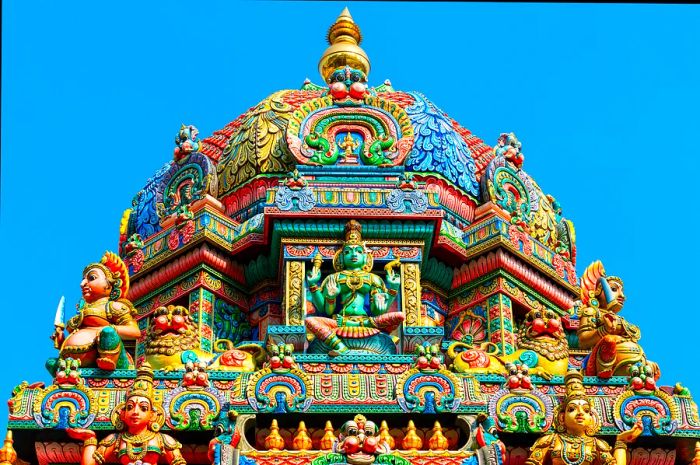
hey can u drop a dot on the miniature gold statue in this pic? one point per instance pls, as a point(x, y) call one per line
point(357, 299)
point(612, 340)
point(95, 335)
point(574, 443)
point(138, 419)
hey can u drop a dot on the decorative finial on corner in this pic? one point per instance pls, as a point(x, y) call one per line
point(344, 37)
point(7, 453)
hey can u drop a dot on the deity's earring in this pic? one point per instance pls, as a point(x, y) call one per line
point(560, 428)
point(158, 421)
point(114, 293)
point(117, 419)
point(591, 430)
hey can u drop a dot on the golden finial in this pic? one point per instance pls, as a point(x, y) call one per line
point(274, 440)
point(344, 38)
point(328, 438)
point(7, 453)
point(385, 436)
point(411, 441)
point(437, 441)
point(301, 440)
point(696, 458)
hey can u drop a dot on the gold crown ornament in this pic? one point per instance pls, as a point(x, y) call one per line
point(344, 38)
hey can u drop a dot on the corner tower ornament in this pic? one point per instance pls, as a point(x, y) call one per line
point(336, 258)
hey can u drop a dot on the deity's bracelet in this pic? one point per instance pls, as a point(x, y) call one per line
point(90, 442)
point(313, 288)
point(620, 445)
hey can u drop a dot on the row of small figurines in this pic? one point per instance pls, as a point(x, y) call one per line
point(413, 438)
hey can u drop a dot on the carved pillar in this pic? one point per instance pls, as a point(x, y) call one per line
point(410, 294)
point(500, 323)
point(294, 295)
point(202, 314)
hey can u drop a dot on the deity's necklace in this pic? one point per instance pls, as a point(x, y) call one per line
point(577, 457)
point(137, 441)
point(354, 279)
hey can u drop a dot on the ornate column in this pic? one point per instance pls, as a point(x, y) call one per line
point(501, 330)
point(294, 293)
point(202, 314)
point(410, 294)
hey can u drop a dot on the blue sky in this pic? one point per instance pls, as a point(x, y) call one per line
point(604, 98)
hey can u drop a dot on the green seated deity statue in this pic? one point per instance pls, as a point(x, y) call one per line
point(353, 304)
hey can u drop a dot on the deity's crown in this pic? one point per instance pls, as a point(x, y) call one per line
point(143, 385)
point(360, 420)
point(573, 381)
point(116, 272)
point(353, 233)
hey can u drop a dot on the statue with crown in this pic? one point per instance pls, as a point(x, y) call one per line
point(576, 422)
point(138, 441)
point(614, 342)
point(353, 305)
point(105, 319)
point(344, 275)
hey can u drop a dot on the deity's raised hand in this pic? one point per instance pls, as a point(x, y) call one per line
point(81, 434)
point(392, 277)
point(58, 337)
point(332, 288)
point(611, 323)
point(631, 434)
point(313, 276)
point(380, 301)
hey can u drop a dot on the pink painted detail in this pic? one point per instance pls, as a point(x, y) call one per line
point(204, 254)
point(173, 240)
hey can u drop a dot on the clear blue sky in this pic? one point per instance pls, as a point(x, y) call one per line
point(605, 99)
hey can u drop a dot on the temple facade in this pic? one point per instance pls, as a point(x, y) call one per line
point(344, 274)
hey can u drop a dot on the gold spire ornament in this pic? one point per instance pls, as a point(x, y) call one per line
point(344, 38)
point(437, 441)
point(274, 440)
point(411, 441)
point(328, 438)
point(385, 436)
point(301, 440)
point(8, 456)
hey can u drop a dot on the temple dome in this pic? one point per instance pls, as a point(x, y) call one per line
point(255, 142)
point(395, 128)
point(344, 124)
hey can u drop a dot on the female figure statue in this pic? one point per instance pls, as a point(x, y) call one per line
point(95, 335)
point(357, 299)
point(138, 441)
point(574, 443)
